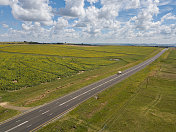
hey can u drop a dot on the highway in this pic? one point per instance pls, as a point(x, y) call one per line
point(40, 116)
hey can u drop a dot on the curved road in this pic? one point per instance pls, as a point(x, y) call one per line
point(38, 117)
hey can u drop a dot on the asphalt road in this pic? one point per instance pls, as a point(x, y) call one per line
point(38, 117)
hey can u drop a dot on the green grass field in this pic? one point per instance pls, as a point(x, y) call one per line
point(31, 75)
point(143, 102)
point(30, 65)
point(7, 113)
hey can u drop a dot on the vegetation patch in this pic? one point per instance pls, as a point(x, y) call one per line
point(30, 65)
point(143, 102)
point(32, 75)
point(7, 113)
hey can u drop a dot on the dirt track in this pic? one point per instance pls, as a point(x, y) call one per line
point(9, 106)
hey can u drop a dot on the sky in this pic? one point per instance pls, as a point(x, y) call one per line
point(89, 21)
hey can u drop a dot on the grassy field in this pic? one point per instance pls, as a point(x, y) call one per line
point(143, 102)
point(7, 113)
point(29, 65)
point(32, 75)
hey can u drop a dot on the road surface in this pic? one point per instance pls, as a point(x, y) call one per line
point(36, 118)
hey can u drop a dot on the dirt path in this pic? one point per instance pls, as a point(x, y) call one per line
point(9, 106)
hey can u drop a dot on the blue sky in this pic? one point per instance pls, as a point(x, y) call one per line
point(88, 21)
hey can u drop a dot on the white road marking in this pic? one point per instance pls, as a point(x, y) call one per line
point(45, 112)
point(16, 126)
point(29, 126)
point(51, 114)
point(18, 121)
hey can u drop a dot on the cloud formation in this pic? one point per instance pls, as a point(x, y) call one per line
point(32, 10)
point(5, 26)
point(92, 1)
point(4, 2)
point(73, 8)
point(78, 22)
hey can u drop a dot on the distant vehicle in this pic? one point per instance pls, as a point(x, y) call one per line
point(119, 72)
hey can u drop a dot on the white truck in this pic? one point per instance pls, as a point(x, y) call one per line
point(119, 72)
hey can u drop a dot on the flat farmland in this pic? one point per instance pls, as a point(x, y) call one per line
point(31, 75)
point(144, 102)
point(29, 65)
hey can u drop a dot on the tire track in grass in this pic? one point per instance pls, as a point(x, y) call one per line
point(74, 69)
point(153, 103)
point(34, 68)
point(113, 118)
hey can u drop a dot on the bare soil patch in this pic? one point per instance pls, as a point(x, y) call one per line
point(47, 92)
point(9, 106)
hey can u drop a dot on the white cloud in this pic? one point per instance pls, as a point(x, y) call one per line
point(168, 16)
point(122, 4)
point(144, 19)
point(164, 2)
point(32, 10)
point(4, 2)
point(61, 23)
point(30, 32)
point(27, 26)
point(5, 26)
point(109, 12)
point(92, 1)
point(73, 8)
point(77, 23)
point(111, 8)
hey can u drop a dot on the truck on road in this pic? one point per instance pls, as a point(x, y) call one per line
point(119, 72)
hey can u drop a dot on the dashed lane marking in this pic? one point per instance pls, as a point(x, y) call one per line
point(16, 126)
point(29, 126)
point(45, 112)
